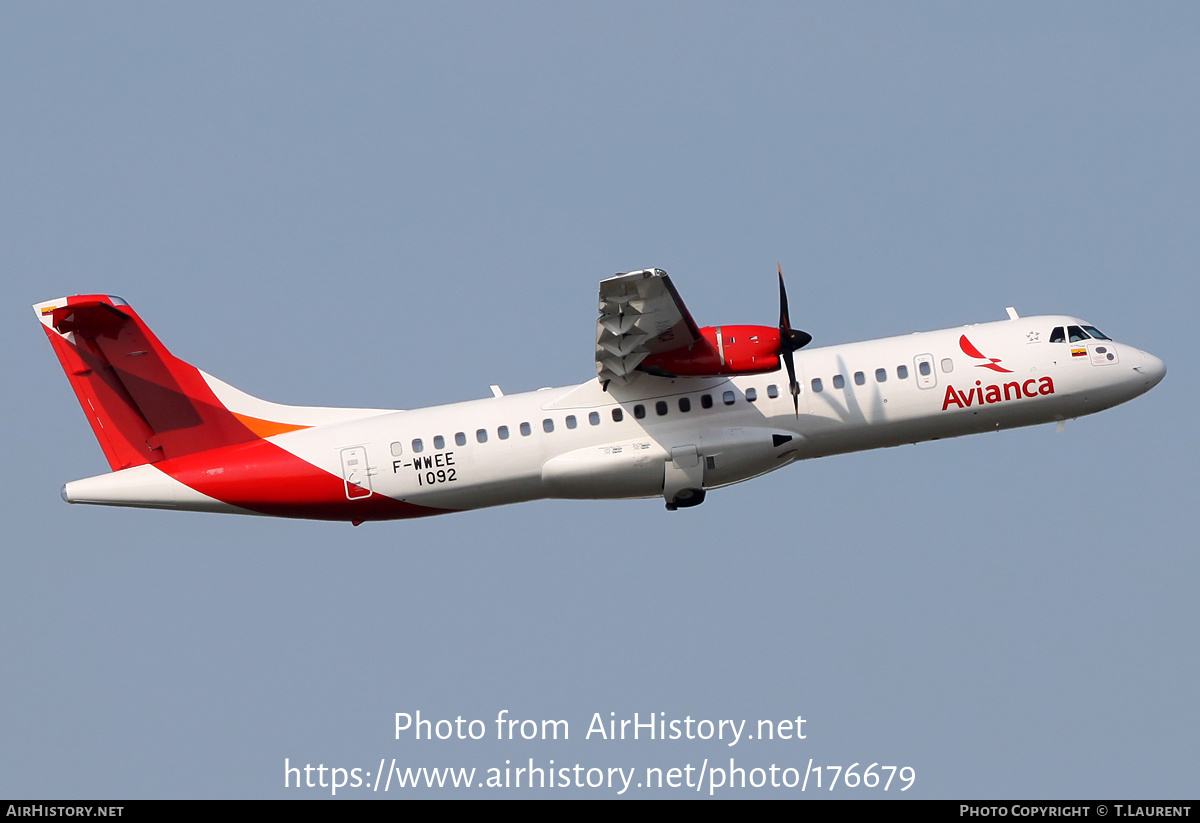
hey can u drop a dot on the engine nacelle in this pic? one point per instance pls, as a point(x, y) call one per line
point(724, 350)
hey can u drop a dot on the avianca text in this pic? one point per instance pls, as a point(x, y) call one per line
point(994, 393)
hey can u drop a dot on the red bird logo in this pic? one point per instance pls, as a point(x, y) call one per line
point(993, 362)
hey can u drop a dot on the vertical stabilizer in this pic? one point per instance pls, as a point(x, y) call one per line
point(143, 403)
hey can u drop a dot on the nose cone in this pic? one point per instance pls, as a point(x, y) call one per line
point(1151, 369)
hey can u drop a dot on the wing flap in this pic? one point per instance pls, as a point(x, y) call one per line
point(640, 314)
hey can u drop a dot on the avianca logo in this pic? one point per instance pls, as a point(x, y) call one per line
point(982, 395)
point(970, 351)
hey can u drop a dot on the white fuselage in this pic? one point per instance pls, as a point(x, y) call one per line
point(709, 432)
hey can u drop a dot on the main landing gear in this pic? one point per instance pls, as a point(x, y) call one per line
point(685, 499)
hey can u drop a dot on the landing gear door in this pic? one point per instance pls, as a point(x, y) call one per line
point(356, 473)
point(684, 471)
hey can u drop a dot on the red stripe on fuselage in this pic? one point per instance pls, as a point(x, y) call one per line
point(264, 478)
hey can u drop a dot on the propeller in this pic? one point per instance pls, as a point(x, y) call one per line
point(789, 340)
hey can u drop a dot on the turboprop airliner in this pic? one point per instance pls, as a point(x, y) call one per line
point(675, 410)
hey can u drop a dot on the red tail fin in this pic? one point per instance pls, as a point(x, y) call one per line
point(143, 403)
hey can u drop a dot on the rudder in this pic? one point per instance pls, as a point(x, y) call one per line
point(144, 404)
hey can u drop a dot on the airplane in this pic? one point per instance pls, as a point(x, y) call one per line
point(674, 411)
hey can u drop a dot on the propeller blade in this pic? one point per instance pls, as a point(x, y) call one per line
point(784, 321)
point(789, 341)
point(793, 386)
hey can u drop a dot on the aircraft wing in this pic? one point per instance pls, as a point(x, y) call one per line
point(640, 314)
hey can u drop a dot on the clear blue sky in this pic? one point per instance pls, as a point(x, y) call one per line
point(395, 205)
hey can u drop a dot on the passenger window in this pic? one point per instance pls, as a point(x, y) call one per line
point(728, 398)
point(397, 449)
point(502, 432)
point(525, 429)
point(859, 378)
point(460, 438)
point(439, 442)
point(924, 368)
point(881, 375)
point(772, 391)
point(639, 411)
point(547, 425)
point(902, 372)
point(481, 435)
point(418, 446)
point(706, 401)
point(660, 408)
point(594, 418)
point(685, 405)
point(751, 394)
point(1057, 335)
point(947, 365)
point(816, 384)
point(839, 382)
point(570, 421)
point(618, 415)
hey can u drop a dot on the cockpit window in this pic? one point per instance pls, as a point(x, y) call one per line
point(1076, 334)
point(1096, 333)
point(1057, 335)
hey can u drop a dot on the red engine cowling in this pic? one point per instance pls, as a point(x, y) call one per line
point(724, 350)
